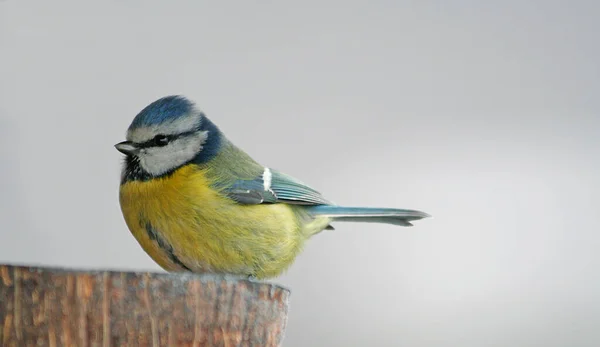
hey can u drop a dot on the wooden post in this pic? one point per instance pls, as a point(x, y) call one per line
point(55, 307)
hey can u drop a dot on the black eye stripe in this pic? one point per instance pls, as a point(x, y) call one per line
point(157, 141)
point(161, 140)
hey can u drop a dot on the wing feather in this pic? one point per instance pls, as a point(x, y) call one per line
point(282, 189)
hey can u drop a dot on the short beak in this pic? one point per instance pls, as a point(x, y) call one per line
point(127, 147)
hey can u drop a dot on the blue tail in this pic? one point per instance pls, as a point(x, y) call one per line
point(368, 214)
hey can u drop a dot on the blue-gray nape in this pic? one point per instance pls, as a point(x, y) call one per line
point(167, 108)
point(213, 143)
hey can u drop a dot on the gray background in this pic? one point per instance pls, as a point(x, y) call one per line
point(484, 115)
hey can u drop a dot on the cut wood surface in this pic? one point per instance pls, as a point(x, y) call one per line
point(59, 307)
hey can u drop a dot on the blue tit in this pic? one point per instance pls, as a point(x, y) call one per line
point(196, 202)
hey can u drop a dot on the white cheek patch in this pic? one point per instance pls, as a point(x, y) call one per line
point(159, 160)
point(177, 126)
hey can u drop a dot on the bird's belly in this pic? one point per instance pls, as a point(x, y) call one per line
point(183, 224)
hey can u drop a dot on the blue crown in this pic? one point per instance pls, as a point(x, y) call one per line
point(161, 110)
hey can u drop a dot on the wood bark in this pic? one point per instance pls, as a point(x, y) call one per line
point(57, 307)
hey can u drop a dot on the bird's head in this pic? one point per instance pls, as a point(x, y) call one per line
point(166, 135)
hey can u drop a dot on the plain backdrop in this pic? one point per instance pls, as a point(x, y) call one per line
point(484, 114)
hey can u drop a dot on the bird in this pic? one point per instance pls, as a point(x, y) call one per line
point(195, 202)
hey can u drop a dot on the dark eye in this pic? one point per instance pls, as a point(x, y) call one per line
point(160, 140)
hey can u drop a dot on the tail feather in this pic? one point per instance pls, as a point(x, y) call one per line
point(369, 214)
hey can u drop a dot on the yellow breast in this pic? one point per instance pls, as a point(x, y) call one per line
point(184, 224)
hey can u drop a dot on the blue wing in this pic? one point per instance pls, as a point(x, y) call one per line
point(279, 188)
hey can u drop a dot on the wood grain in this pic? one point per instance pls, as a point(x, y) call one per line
point(57, 307)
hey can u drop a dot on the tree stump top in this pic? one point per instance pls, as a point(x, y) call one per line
point(60, 307)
